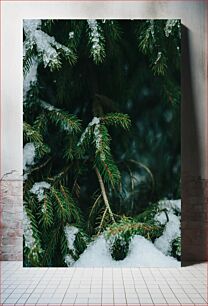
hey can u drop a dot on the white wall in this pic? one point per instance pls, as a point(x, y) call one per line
point(191, 13)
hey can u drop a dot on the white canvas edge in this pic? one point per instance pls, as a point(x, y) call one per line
point(12, 15)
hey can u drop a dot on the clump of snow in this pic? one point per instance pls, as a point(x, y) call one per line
point(95, 121)
point(48, 106)
point(28, 155)
point(38, 189)
point(152, 28)
point(172, 224)
point(159, 54)
point(142, 253)
point(98, 140)
point(70, 233)
point(30, 79)
point(69, 260)
point(30, 25)
point(84, 134)
point(95, 36)
point(170, 205)
point(170, 233)
point(71, 35)
point(47, 47)
point(28, 233)
point(161, 218)
point(30, 242)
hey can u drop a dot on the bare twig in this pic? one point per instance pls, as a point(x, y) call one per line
point(145, 168)
point(101, 222)
point(94, 205)
point(105, 198)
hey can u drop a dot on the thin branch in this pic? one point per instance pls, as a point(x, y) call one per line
point(105, 198)
point(101, 222)
point(42, 165)
point(146, 168)
point(94, 205)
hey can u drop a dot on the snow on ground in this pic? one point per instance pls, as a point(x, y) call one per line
point(172, 226)
point(142, 253)
point(38, 188)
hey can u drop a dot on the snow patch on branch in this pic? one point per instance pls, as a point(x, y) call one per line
point(47, 47)
point(28, 232)
point(98, 136)
point(71, 35)
point(49, 107)
point(69, 260)
point(95, 121)
point(170, 205)
point(70, 233)
point(170, 24)
point(39, 189)
point(29, 239)
point(28, 155)
point(95, 37)
point(30, 79)
point(142, 253)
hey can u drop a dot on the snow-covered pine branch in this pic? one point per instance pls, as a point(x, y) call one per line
point(170, 25)
point(47, 48)
point(30, 236)
point(172, 230)
point(67, 122)
point(70, 234)
point(96, 41)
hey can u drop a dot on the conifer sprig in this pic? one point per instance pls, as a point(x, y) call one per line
point(96, 41)
point(32, 135)
point(117, 119)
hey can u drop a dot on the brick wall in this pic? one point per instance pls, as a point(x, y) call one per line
point(11, 220)
point(194, 220)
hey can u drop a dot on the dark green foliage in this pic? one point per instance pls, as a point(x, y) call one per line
point(119, 235)
point(120, 248)
point(32, 254)
point(117, 119)
point(126, 74)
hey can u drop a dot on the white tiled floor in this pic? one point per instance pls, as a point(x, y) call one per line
point(97, 286)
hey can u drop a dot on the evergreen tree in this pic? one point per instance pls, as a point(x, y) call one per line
point(101, 130)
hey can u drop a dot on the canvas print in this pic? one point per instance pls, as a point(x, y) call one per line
point(101, 152)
